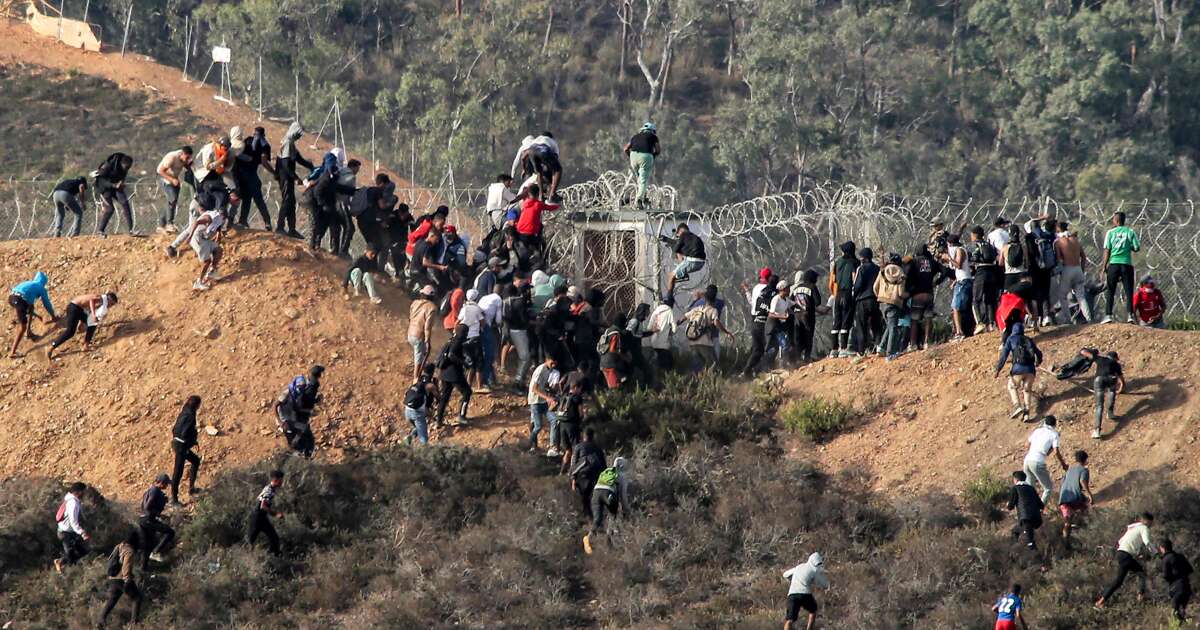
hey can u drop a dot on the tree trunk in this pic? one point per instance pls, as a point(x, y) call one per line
point(457, 8)
point(624, 15)
point(732, 40)
point(549, 26)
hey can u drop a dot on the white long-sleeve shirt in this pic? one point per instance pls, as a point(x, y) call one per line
point(1136, 539)
point(71, 516)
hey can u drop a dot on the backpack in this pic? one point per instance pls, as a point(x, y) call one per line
point(113, 568)
point(1046, 258)
point(984, 254)
point(1023, 354)
point(699, 323)
point(1016, 255)
point(61, 514)
point(604, 346)
point(445, 307)
point(591, 462)
point(415, 397)
point(608, 477)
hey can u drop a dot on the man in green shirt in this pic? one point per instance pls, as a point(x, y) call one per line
point(1119, 245)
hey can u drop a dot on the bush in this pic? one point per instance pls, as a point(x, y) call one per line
point(984, 492)
point(816, 418)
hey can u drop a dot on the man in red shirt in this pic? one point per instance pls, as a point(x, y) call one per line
point(1149, 304)
point(529, 224)
point(435, 221)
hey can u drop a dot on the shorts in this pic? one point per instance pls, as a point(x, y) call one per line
point(22, 308)
point(1075, 507)
point(204, 248)
point(963, 291)
point(689, 265)
point(921, 307)
point(1005, 624)
point(568, 435)
point(545, 162)
point(798, 601)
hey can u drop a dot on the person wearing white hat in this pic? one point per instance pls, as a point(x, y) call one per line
point(642, 149)
point(420, 326)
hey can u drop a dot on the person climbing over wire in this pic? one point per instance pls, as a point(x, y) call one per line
point(689, 255)
point(23, 299)
point(88, 311)
point(642, 149)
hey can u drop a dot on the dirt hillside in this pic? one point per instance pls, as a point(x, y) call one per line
point(931, 420)
point(106, 416)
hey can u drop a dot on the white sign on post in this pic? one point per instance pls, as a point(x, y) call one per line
point(220, 54)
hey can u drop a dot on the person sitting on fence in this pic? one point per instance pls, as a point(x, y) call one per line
point(529, 226)
point(689, 254)
point(499, 197)
point(23, 299)
point(1149, 304)
point(86, 310)
point(110, 184)
point(68, 195)
point(174, 169)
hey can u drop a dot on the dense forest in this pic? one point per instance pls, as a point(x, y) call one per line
point(1078, 99)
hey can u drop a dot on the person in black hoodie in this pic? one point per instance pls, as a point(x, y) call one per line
point(321, 201)
point(841, 285)
point(924, 274)
point(1025, 499)
point(1177, 572)
point(867, 317)
point(395, 226)
point(454, 364)
point(285, 175)
point(110, 184)
point(183, 440)
point(68, 195)
point(151, 525)
point(256, 153)
point(807, 300)
point(689, 252)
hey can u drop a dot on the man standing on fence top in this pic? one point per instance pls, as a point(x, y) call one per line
point(1120, 243)
point(642, 149)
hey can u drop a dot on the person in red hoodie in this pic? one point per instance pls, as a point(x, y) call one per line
point(435, 221)
point(1149, 304)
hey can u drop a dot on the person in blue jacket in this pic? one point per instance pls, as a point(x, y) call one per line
point(24, 299)
point(1026, 356)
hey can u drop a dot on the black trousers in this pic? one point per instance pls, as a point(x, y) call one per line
point(1124, 275)
point(985, 293)
point(300, 436)
point(1181, 594)
point(183, 455)
point(74, 547)
point(156, 536)
point(260, 523)
point(843, 320)
point(802, 340)
point(346, 222)
point(116, 589)
point(76, 317)
point(583, 487)
point(1026, 527)
point(251, 192)
point(758, 347)
point(464, 389)
point(1126, 564)
point(867, 324)
point(664, 360)
point(287, 206)
point(107, 198)
point(323, 220)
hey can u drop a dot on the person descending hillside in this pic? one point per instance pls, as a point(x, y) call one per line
point(23, 299)
point(151, 524)
point(453, 362)
point(804, 579)
point(174, 169)
point(587, 462)
point(642, 149)
point(214, 174)
point(294, 410)
point(206, 242)
point(110, 185)
point(1149, 304)
point(362, 273)
point(1026, 356)
point(1042, 442)
point(88, 311)
point(184, 438)
point(541, 399)
point(421, 318)
point(1120, 243)
point(1029, 508)
point(69, 525)
point(841, 286)
point(610, 495)
point(1177, 573)
point(1132, 544)
point(285, 175)
point(1107, 385)
point(1008, 610)
point(68, 195)
point(1075, 496)
point(420, 398)
point(259, 521)
point(689, 253)
point(121, 581)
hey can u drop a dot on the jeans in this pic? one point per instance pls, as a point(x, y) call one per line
point(1103, 391)
point(118, 194)
point(1071, 282)
point(64, 201)
point(358, 279)
point(539, 414)
point(420, 351)
point(866, 324)
point(171, 194)
point(643, 167)
point(891, 336)
point(182, 456)
point(1124, 275)
point(1038, 472)
point(520, 341)
point(74, 547)
point(419, 421)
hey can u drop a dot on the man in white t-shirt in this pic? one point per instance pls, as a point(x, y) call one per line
point(777, 317)
point(490, 304)
point(499, 197)
point(999, 237)
point(662, 327)
point(1042, 442)
point(541, 398)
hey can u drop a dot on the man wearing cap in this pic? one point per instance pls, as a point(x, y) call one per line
point(154, 501)
point(420, 326)
point(642, 148)
point(689, 254)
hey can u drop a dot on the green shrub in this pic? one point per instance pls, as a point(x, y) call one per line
point(984, 491)
point(816, 418)
point(1183, 324)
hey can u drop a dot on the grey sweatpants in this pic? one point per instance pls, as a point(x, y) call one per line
point(1103, 391)
point(1039, 472)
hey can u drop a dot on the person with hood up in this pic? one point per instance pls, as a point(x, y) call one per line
point(807, 299)
point(23, 299)
point(866, 303)
point(1011, 311)
point(255, 153)
point(841, 286)
point(610, 495)
point(1026, 356)
point(891, 291)
point(421, 313)
point(333, 161)
point(924, 274)
point(1177, 573)
point(804, 580)
point(285, 176)
point(110, 185)
point(642, 149)
point(542, 291)
point(1149, 304)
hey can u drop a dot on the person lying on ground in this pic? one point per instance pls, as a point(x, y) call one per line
point(23, 299)
point(87, 310)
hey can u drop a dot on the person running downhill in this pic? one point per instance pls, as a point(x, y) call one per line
point(1029, 507)
point(611, 495)
point(260, 515)
point(1177, 572)
point(206, 242)
point(1133, 542)
point(120, 578)
point(420, 398)
point(1075, 496)
point(151, 524)
point(294, 409)
point(1109, 382)
point(183, 440)
point(804, 580)
point(85, 310)
point(1042, 442)
point(1008, 610)
point(541, 400)
point(23, 299)
point(1120, 243)
point(642, 150)
point(1025, 358)
point(71, 533)
point(454, 361)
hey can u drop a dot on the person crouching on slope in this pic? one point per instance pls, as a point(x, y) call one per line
point(86, 310)
point(23, 299)
point(805, 578)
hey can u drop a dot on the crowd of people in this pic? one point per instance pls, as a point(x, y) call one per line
point(511, 321)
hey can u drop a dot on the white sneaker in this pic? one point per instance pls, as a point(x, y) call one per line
point(553, 452)
point(1129, 319)
point(377, 300)
point(199, 286)
point(171, 227)
point(214, 277)
point(157, 557)
point(1046, 321)
point(356, 293)
point(1107, 319)
point(1095, 434)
